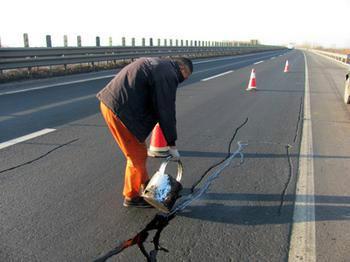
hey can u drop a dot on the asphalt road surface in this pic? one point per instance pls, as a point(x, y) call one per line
point(60, 189)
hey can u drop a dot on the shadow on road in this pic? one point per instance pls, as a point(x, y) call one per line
point(254, 155)
point(327, 208)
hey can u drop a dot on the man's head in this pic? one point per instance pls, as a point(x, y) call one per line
point(186, 66)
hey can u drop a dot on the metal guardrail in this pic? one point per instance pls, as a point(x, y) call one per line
point(12, 58)
point(340, 57)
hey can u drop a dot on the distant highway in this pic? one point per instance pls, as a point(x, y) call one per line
point(61, 174)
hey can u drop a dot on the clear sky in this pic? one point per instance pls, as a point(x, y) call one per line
point(275, 22)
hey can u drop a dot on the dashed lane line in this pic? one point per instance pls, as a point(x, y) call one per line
point(215, 76)
point(26, 137)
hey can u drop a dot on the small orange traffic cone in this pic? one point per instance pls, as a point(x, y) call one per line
point(286, 67)
point(252, 81)
point(158, 146)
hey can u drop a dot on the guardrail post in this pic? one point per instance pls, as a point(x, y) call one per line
point(165, 42)
point(158, 40)
point(143, 41)
point(195, 43)
point(151, 41)
point(79, 41)
point(110, 41)
point(26, 40)
point(133, 41)
point(98, 42)
point(177, 42)
point(0, 47)
point(123, 41)
point(186, 42)
point(171, 42)
point(182, 42)
point(191, 43)
point(48, 41)
point(65, 41)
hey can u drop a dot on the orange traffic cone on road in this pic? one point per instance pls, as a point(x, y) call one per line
point(286, 67)
point(158, 146)
point(252, 81)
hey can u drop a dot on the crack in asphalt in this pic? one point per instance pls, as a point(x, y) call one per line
point(283, 194)
point(290, 173)
point(38, 158)
point(299, 119)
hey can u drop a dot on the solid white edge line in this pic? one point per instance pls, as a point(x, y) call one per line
point(53, 85)
point(258, 62)
point(26, 137)
point(225, 73)
point(303, 237)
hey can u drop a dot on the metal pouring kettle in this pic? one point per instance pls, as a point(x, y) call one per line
point(162, 190)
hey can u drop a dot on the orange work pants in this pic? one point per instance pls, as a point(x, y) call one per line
point(134, 151)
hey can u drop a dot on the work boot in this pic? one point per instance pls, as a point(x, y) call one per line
point(136, 202)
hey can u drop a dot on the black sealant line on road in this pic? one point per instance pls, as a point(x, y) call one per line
point(299, 119)
point(38, 158)
point(161, 220)
point(287, 147)
point(283, 194)
point(284, 191)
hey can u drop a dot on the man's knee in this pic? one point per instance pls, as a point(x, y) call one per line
point(136, 162)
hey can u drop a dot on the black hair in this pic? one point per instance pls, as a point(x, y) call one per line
point(185, 61)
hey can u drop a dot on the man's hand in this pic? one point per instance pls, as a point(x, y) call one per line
point(174, 152)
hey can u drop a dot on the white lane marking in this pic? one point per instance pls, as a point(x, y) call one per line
point(223, 66)
point(46, 107)
point(53, 85)
point(272, 57)
point(303, 238)
point(26, 137)
point(225, 73)
point(227, 58)
point(258, 62)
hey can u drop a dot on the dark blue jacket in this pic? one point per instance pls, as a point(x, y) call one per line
point(144, 93)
